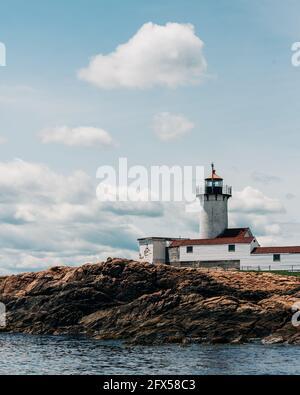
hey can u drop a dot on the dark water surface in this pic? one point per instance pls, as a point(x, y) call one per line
point(26, 354)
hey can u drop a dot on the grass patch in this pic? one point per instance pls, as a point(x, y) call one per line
point(280, 272)
point(285, 273)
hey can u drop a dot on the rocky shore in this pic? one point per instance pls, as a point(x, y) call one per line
point(146, 304)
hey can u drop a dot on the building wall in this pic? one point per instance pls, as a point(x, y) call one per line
point(213, 216)
point(173, 253)
point(152, 251)
point(215, 252)
point(159, 251)
point(265, 262)
point(146, 252)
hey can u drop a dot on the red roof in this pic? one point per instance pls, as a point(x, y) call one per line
point(277, 250)
point(229, 236)
point(214, 176)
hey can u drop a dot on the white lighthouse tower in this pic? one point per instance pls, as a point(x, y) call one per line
point(214, 201)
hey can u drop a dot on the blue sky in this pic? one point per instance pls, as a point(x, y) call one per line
point(245, 112)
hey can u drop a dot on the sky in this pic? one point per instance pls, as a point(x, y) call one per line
point(172, 82)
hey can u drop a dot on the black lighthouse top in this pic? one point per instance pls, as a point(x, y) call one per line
point(214, 184)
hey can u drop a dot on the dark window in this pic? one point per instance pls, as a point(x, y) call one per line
point(276, 258)
point(189, 249)
point(231, 248)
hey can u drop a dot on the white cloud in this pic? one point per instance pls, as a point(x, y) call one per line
point(143, 209)
point(84, 136)
point(22, 181)
point(169, 55)
point(47, 219)
point(251, 200)
point(171, 126)
point(250, 207)
point(51, 219)
point(261, 225)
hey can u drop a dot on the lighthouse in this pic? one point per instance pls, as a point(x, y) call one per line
point(214, 201)
point(218, 245)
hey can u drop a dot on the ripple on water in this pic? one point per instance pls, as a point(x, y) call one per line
point(27, 354)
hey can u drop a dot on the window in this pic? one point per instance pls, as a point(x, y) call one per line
point(218, 183)
point(276, 258)
point(189, 249)
point(231, 248)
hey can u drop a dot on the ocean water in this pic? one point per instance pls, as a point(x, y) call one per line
point(28, 354)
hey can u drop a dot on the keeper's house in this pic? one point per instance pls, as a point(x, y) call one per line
point(218, 245)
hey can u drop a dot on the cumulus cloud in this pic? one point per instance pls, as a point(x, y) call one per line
point(171, 126)
point(133, 201)
point(47, 219)
point(251, 200)
point(261, 225)
point(27, 182)
point(149, 209)
point(250, 207)
point(84, 136)
point(157, 55)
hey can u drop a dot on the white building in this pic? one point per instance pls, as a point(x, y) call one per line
point(218, 246)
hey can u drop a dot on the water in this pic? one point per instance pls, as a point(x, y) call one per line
point(26, 354)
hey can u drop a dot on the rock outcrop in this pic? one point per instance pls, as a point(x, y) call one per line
point(146, 304)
